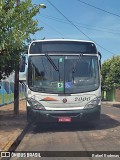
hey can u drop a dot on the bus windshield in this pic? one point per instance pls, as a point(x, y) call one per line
point(74, 74)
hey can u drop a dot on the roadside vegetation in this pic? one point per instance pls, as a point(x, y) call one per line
point(16, 25)
point(110, 73)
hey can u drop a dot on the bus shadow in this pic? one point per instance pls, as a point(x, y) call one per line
point(106, 122)
point(116, 105)
point(10, 122)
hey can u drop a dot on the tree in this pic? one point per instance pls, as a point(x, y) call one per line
point(16, 25)
point(110, 72)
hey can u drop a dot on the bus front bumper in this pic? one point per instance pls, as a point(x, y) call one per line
point(67, 116)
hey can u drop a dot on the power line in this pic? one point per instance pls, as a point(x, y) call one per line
point(99, 8)
point(70, 21)
point(61, 20)
point(78, 28)
point(53, 29)
point(82, 25)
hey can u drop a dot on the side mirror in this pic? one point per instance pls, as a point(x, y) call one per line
point(22, 64)
point(100, 59)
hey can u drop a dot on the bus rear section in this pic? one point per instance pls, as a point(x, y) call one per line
point(63, 81)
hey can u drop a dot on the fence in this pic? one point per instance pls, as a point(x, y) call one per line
point(7, 92)
point(111, 95)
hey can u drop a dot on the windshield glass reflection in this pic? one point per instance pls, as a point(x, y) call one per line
point(74, 74)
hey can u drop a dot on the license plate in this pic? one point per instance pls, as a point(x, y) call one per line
point(64, 119)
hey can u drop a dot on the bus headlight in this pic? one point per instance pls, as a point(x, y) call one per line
point(35, 104)
point(93, 103)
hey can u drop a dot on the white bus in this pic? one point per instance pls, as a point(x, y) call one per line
point(63, 81)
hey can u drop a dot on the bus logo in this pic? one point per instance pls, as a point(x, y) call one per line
point(64, 100)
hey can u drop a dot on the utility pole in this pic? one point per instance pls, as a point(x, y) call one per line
point(16, 83)
point(16, 79)
point(17, 2)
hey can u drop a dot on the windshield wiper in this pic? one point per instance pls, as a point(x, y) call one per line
point(50, 60)
point(52, 63)
point(37, 88)
point(74, 66)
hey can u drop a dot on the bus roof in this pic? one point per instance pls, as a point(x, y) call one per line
point(70, 40)
point(62, 45)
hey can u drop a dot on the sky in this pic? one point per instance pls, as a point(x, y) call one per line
point(91, 24)
point(103, 28)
